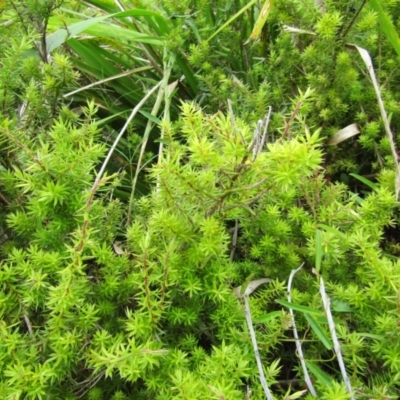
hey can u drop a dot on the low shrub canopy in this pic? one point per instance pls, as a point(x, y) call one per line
point(108, 297)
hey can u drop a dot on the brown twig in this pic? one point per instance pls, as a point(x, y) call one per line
point(353, 20)
point(292, 117)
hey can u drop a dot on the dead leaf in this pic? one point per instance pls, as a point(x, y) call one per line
point(344, 134)
point(118, 249)
point(293, 29)
point(251, 287)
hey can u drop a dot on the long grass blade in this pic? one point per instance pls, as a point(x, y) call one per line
point(261, 20)
point(368, 62)
point(134, 112)
point(263, 381)
point(387, 27)
point(336, 344)
point(318, 331)
point(127, 73)
point(296, 335)
point(233, 18)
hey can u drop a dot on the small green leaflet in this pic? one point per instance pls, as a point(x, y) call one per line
point(268, 317)
point(365, 181)
point(324, 320)
point(151, 117)
point(313, 323)
point(319, 331)
point(332, 230)
point(323, 378)
point(369, 335)
point(298, 307)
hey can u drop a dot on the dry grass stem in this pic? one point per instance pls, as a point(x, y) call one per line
point(296, 335)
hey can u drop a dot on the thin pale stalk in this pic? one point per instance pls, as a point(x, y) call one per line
point(156, 107)
point(166, 117)
point(146, 135)
point(255, 347)
point(124, 128)
point(266, 124)
point(232, 116)
point(167, 93)
point(368, 62)
point(111, 78)
point(336, 344)
point(296, 336)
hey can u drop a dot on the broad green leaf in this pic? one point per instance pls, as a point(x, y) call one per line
point(319, 331)
point(268, 317)
point(387, 27)
point(59, 37)
point(323, 378)
point(365, 181)
point(261, 20)
point(318, 250)
point(97, 63)
point(108, 6)
point(91, 26)
point(298, 307)
point(120, 33)
point(138, 12)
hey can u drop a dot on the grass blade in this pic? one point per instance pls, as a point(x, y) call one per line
point(323, 378)
point(365, 181)
point(387, 27)
point(261, 20)
point(332, 329)
point(368, 62)
point(268, 317)
point(233, 18)
point(296, 334)
point(298, 307)
point(318, 331)
point(332, 230)
point(134, 112)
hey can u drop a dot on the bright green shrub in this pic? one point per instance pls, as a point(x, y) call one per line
point(160, 318)
point(91, 309)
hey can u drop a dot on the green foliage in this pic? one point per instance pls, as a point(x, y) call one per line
point(94, 307)
point(161, 318)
